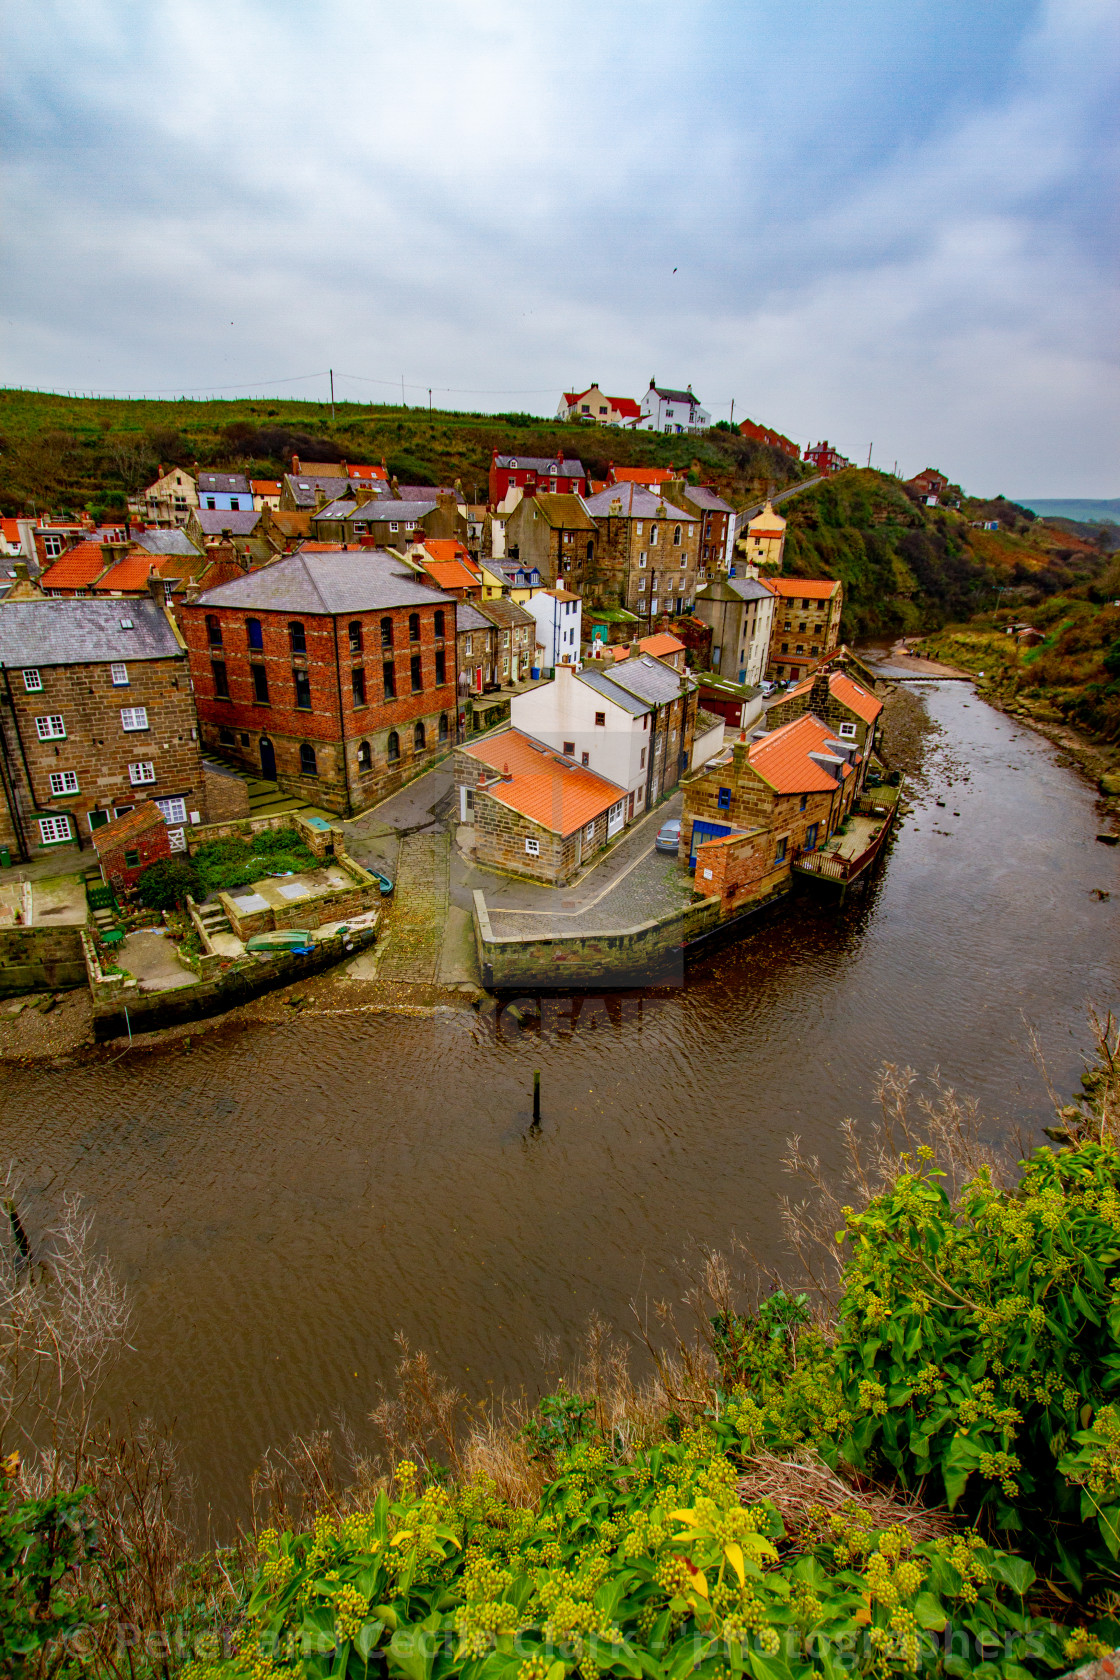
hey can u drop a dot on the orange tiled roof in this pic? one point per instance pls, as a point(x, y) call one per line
point(544, 786)
point(641, 475)
point(782, 758)
point(446, 548)
point(451, 574)
point(265, 486)
point(79, 568)
point(818, 589)
point(10, 528)
point(130, 573)
point(319, 548)
point(367, 472)
point(848, 692)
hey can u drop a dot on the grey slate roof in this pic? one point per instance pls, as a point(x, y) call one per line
point(749, 589)
point(543, 464)
point(382, 512)
point(83, 632)
point(304, 487)
point(648, 679)
point(360, 580)
point(601, 683)
point(165, 542)
point(637, 503)
point(232, 484)
point(468, 617)
point(701, 495)
point(505, 612)
point(239, 522)
point(676, 396)
point(384, 492)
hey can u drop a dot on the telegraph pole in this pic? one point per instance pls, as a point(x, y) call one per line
point(733, 411)
point(332, 396)
point(870, 447)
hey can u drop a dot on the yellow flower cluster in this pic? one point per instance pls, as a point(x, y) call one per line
point(1082, 1646)
point(999, 1467)
point(960, 1551)
point(351, 1609)
point(1103, 1474)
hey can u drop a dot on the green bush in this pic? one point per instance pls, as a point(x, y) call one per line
point(228, 864)
point(164, 885)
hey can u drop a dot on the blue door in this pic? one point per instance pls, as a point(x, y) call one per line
point(811, 837)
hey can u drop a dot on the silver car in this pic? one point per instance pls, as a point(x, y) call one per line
point(669, 836)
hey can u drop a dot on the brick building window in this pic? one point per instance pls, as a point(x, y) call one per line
point(308, 765)
point(51, 728)
point(804, 802)
point(723, 799)
point(443, 726)
point(677, 536)
point(138, 774)
point(32, 681)
point(414, 627)
point(419, 738)
point(54, 830)
point(533, 847)
point(386, 632)
point(847, 730)
point(303, 691)
point(389, 679)
point(365, 757)
point(780, 850)
point(297, 639)
point(260, 684)
point(441, 667)
point(467, 648)
point(213, 630)
point(227, 738)
point(221, 678)
point(118, 676)
point(393, 747)
point(358, 685)
point(136, 717)
point(354, 631)
point(417, 677)
point(63, 781)
point(255, 634)
point(132, 860)
point(439, 624)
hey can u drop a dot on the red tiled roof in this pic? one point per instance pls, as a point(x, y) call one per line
point(137, 821)
point(130, 573)
point(367, 472)
point(79, 568)
point(265, 486)
point(451, 574)
point(10, 528)
point(626, 406)
point(848, 692)
point(640, 475)
point(782, 758)
point(811, 589)
point(544, 785)
point(446, 548)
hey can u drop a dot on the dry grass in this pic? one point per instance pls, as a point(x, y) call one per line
point(802, 1486)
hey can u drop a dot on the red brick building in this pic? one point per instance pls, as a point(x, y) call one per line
point(826, 459)
point(332, 674)
point(775, 440)
point(96, 714)
point(126, 846)
point(535, 472)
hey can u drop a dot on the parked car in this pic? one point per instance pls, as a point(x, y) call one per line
point(669, 836)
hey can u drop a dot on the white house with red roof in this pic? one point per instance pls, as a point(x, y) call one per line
point(594, 408)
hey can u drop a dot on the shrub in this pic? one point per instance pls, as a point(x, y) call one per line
point(164, 885)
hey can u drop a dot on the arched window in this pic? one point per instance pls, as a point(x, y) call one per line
point(418, 737)
point(254, 633)
point(386, 632)
point(676, 536)
point(414, 627)
point(355, 633)
point(394, 747)
point(214, 629)
point(439, 624)
point(365, 756)
point(308, 766)
point(652, 534)
point(296, 637)
point(443, 726)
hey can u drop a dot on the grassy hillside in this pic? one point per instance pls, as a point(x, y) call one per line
point(75, 453)
point(908, 567)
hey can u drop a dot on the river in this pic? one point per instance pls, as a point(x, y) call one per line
point(282, 1200)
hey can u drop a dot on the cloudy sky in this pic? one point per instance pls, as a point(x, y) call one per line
point(884, 222)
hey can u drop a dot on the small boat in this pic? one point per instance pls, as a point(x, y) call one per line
point(383, 882)
point(282, 939)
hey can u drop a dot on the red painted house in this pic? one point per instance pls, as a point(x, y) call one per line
point(775, 440)
point(332, 674)
point(535, 472)
point(826, 459)
point(126, 846)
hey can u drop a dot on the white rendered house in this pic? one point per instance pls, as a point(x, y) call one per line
point(593, 721)
point(664, 410)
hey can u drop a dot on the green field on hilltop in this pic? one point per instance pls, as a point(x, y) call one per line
point(85, 452)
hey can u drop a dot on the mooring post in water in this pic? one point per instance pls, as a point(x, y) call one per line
point(537, 1097)
point(18, 1232)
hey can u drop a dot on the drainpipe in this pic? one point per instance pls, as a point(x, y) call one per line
point(22, 752)
point(341, 721)
point(8, 787)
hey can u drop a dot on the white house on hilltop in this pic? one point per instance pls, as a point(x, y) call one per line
point(663, 410)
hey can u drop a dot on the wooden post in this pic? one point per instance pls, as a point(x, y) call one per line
point(537, 1097)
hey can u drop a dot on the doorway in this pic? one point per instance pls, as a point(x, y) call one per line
point(268, 759)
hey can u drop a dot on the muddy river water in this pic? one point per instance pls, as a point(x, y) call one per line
point(282, 1200)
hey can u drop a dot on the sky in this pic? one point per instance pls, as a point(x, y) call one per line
point(888, 223)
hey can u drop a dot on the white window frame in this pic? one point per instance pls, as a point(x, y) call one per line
point(174, 810)
point(142, 772)
point(847, 731)
point(63, 781)
point(51, 728)
point(118, 674)
point(589, 831)
point(52, 547)
point(55, 831)
point(130, 716)
point(33, 680)
point(533, 847)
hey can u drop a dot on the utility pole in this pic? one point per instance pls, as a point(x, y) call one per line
point(403, 404)
point(733, 411)
point(332, 396)
point(870, 447)
point(429, 399)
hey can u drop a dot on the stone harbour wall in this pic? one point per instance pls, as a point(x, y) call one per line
point(34, 958)
point(632, 956)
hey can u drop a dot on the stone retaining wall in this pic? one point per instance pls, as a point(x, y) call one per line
point(35, 958)
point(640, 955)
point(322, 842)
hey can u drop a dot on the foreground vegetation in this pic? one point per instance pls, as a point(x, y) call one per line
point(911, 1466)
